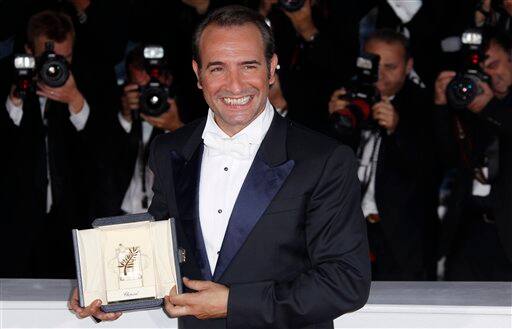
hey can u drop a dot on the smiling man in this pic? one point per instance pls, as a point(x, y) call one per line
point(268, 212)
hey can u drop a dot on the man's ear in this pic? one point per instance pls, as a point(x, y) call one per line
point(273, 67)
point(28, 50)
point(410, 65)
point(195, 67)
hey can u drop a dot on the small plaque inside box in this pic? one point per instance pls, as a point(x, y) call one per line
point(128, 262)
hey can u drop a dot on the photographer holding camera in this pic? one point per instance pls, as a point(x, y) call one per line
point(50, 159)
point(473, 113)
point(147, 110)
point(389, 140)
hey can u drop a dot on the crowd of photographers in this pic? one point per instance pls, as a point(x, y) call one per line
point(421, 90)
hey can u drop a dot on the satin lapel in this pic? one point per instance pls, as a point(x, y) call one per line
point(186, 173)
point(262, 183)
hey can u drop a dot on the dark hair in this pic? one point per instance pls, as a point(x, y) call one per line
point(235, 15)
point(499, 37)
point(54, 25)
point(390, 36)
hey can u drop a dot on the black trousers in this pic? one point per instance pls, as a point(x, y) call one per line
point(478, 254)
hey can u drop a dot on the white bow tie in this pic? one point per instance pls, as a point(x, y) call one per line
point(238, 147)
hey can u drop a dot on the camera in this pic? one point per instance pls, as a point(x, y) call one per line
point(291, 5)
point(153, 98)
point(361, 94)
point(24, 66)
point(464, 87)
point(52, 69)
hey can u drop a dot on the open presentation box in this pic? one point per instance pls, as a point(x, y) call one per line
point(128, 262)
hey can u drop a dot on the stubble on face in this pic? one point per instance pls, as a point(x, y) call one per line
point(234, 75)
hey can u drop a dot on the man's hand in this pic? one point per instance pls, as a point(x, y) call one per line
point(385, 114)
point(169, 120)
point(130, 101)
point(13, 96)
point(201, 6)
point(68, 93)
point(442, 81)
point(480, 101)
point(302, 21)
point(336, 104)
point(210, 301)
point(91, 310)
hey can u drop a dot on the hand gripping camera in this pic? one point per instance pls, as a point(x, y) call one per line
point(153, 96)
point(291, 5)
point(24, 66)
point(464, 87)
point(52, 69)
point(361, 94)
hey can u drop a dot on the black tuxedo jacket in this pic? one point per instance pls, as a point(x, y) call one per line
point(115, 167)
point(295, 253)
point(27, 225)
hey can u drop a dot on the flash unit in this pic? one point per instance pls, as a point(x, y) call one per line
point(472, 38)
point(24, 62)
point(153, 52)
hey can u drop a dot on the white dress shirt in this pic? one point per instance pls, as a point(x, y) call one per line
point(225, 164)
point(132, 202)
point(78, 120)
point(369, 155)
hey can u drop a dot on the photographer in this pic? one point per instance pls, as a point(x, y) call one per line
point(49, 163)
point(306, 48)
point(393, 163)
point(125, 178)
point(476, 142)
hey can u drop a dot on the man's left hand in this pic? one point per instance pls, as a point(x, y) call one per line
point(385, 114)
point(480, 101)
point(208, 302)
point(67, 93)
point(169, 120)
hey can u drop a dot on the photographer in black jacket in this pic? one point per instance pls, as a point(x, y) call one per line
point(393, 163)
point(124, 182)
point(476, 141)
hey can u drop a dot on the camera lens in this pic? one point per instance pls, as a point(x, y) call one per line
point(291, 5)
point(153, 101)
point(462, 90)
point(54, 73)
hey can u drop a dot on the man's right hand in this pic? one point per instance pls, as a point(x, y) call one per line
point(442, 81)
point(336, 104)
point(91, 310)
point(13, 96)
point(130, 101)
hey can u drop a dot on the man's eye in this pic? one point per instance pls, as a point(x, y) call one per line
point(249, 67)
point(216, 69)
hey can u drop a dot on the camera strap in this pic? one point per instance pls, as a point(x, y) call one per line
point(370, 169)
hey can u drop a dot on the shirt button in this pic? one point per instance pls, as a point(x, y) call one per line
point(219, 211)
point(225, 168)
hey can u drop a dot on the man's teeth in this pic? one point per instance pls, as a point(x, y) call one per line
point(237, 101)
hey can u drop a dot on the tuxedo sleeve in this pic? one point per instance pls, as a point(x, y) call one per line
point(338, 280)
point(158, 208)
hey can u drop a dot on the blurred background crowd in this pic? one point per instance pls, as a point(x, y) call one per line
point(420, 89)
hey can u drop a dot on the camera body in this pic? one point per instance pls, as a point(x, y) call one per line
point(464, 87)
point(52, 69)
point(361, 95)
point(154, 95)
point(291, 5)
point(24, 67)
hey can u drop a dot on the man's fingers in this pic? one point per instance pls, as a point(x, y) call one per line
point(173, 291)
point(107, 316)
point(196, 284)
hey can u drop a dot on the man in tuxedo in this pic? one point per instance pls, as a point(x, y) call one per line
point(392, 152)
point(475, 144)
point(48, 165)
point(267, 211)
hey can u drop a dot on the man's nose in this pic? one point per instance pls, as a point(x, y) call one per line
point(235, 83)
